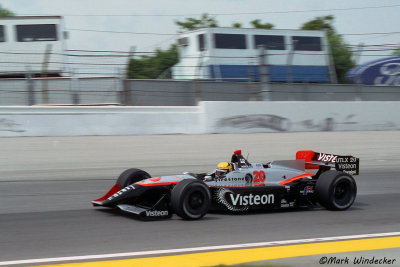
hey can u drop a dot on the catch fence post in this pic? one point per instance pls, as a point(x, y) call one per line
point(74, 86)
point(120, 87)
point(358, 84)
point(264, 72)
point(30, 87)
point(289, 62)
point(126, 96)
point(45, 65)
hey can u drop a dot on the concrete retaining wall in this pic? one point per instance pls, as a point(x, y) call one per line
point(252, 117)
point(208, 117)
point(74, 121)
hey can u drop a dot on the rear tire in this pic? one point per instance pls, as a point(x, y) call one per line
point(131, 176)
point(190, 199)
point(336, 190)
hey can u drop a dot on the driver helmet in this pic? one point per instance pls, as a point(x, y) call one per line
point(223, 168)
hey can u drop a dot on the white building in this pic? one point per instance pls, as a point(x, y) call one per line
point(25, 42)
point(233, 54)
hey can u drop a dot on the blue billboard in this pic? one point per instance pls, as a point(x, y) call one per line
point(383, 72)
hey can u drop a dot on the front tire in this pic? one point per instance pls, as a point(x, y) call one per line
point(131, 176)
point(190, 199)
point(336, 190)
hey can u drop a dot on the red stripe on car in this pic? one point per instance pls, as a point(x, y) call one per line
point(296, 178)
point(156, 184)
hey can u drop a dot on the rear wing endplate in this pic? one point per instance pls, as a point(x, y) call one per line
point(314, 160)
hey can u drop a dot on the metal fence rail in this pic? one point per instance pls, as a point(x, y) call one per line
point(114, 90)
point(35, 91)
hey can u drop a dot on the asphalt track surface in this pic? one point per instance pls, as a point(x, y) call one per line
point(46, 185)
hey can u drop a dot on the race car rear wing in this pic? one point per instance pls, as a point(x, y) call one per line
point(316, 160)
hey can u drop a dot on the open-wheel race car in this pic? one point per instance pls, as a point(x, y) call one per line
point(238, 186)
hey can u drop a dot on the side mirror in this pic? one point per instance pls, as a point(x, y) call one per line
point(207, 178)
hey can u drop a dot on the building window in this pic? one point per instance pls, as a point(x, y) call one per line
point(307, 43)
point(202, 42)
point(183, 41)
point(230, 41)
point(273, 42)
point(36, 32)
point(2, 37)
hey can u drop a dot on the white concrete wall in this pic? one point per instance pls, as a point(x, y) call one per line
point(209, 117)
point(73, 121)
point(277, 116)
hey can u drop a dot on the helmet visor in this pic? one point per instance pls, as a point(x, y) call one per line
point(220, 172)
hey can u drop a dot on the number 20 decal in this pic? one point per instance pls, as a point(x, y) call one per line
point(259, 176)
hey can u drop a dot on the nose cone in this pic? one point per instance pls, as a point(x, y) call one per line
point(129, 192)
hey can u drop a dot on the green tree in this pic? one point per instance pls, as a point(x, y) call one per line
point(237, 25)
point(258, 25)
point(190, 24)
point(341, 54)
point(151, 67)
point(396, 52)
point(5, 12)
point(342, 57)
point(320, 23)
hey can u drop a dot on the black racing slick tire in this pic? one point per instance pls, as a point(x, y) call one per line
point(131, 176)
point(336, 190)
point(190, 199)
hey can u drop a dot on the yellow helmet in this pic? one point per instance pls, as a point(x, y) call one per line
point(223, 168)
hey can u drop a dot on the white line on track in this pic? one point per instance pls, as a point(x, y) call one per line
point(196, 249)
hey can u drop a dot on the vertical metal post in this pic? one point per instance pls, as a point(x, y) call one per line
point(198, 77)
point(253, 94)
point(130, 56)
point(358, 96)
point(74, 86)
point(357, 58)
point(45, 64)
point(289, 62)
point(199, 67)
point(127, 92)
point(119, 86)
point(197, 90)
point(264, 74)
point(126, 83)
point(30, 87)
point(332, 69)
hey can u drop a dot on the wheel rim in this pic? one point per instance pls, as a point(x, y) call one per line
point(194, 204)
point(195, 200)
point(343, 193)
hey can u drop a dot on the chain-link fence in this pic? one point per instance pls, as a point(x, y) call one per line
point(118, 91)
point(36, 91)
point(99, 77)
